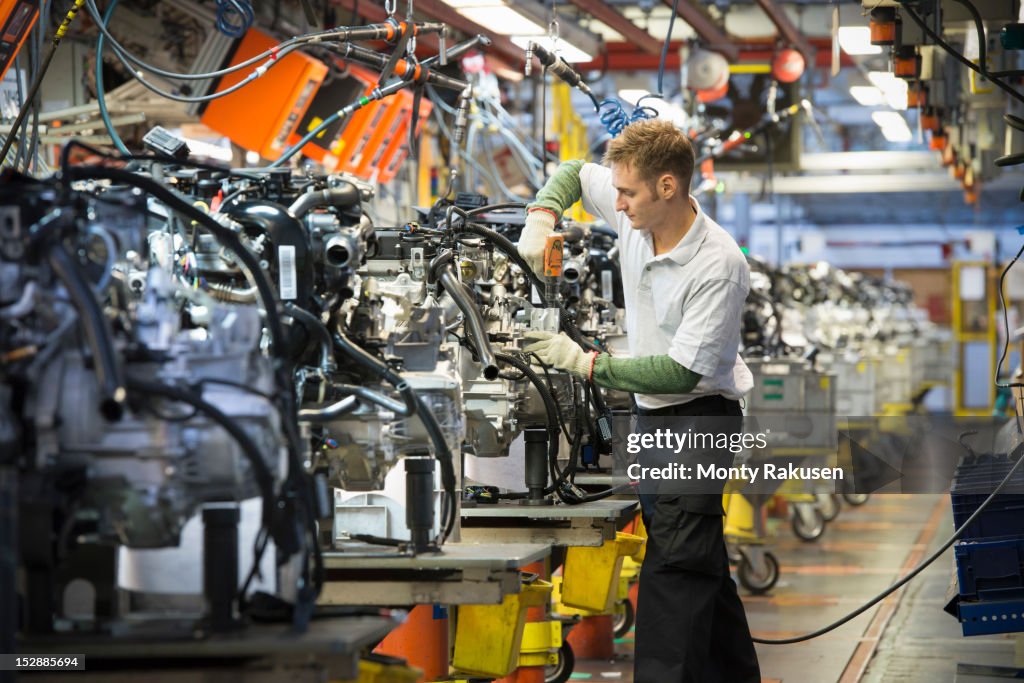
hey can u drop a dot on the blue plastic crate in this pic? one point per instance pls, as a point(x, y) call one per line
point(974, 480)
point(1004, 516)
point(991, 569)
point(988, 617)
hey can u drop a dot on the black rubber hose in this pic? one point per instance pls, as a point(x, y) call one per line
point(227, 236)
point(441, 268)
point(441, 450)
point(495, 207)
point(109, 373)
point(335, 196)
point(260, 470)
point(378, 368)
point(509, 249)
point(552, 417)
point(558, 478)
point(285, 230)
point(314, 325)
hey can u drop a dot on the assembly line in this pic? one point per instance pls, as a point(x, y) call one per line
point(520, 341)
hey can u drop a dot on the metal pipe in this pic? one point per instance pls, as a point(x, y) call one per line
point(106, 365)
point(226, 292)
point(442, 269)
point(335, 196)
point(328, 413)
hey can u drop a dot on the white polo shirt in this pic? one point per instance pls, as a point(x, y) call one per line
point(687, 303)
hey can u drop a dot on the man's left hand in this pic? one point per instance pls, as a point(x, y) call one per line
point(559, 351)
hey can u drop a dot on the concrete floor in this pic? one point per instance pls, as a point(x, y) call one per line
point(907, 638)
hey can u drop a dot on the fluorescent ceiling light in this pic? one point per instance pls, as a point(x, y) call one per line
point(856, 40)
point(562, 48)
point(867, 95)
point(632, 96)
point(895, 89)
point(665, 110)
point(502, 20)
point(893, 125)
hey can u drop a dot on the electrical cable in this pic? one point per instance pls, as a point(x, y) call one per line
point(36, 51)
point(101, 97)
point(247, 260)
point(552, 420)
point(664, 55)
point(260, 469)
point(979, 25)
point(345, 112)
point(1019, 451)
point(38, 79)
point(21, 103)
point(957, 55)
point(162, 158)
point(384, 31)
point(1006, 325)
point(442, 452)
point(544, 123)
point(234, 17)
point(509, 249)
point(614, 117)
point(106, 364)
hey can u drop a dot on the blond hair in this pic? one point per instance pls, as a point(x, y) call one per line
point(653, 148)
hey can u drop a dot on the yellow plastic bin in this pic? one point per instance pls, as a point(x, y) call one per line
point(376, 668)
point(488, 637)
point(641, 532)
point(591, 575)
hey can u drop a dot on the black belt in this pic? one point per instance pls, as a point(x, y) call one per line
point(714, 404)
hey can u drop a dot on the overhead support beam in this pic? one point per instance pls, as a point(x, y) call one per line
point(633, 34)
point(868, 183)
point(625, 57)
point(787, 28)
point(713, 37)
point(500, 45)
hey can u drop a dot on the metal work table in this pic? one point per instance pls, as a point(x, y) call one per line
point(588, 524)
point(463, 574)
point(254, 653)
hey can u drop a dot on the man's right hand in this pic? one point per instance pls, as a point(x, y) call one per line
point(539, 224)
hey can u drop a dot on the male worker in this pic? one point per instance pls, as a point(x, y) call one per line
point(684, 281)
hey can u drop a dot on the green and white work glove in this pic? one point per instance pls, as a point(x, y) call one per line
point(559, 351)
point(539, 224)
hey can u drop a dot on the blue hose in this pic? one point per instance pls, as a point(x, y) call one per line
point(101, 97)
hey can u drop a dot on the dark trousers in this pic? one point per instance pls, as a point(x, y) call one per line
point(691, 627)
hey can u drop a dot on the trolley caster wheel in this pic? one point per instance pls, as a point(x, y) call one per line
point(562, 671)
point(855, 498)
point(808, 524)
point(761, 580)
point(828, 503)
point(623, 618)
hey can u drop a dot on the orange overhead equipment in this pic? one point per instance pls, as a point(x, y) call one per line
point(374, 141)
point(884, 26)
point(16, 20)
point(261, 115)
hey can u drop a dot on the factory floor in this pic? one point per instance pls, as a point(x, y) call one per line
point(907, 638)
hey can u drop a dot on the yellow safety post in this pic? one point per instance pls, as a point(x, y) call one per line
point(571, 133)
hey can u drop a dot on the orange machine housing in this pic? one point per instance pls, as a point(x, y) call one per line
point(374, 141)
point(16, 20)
point(261, 116)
